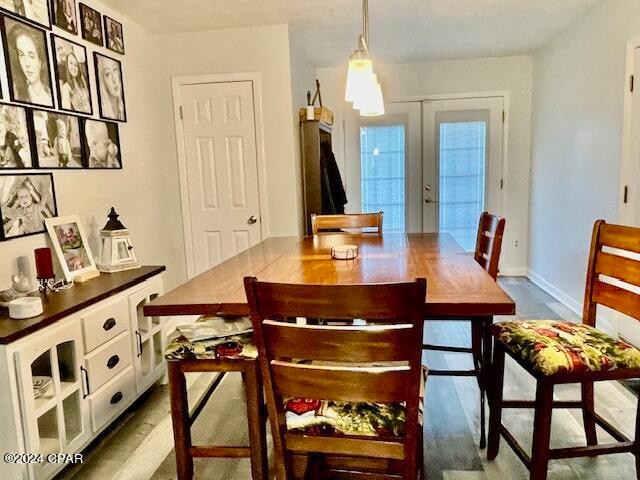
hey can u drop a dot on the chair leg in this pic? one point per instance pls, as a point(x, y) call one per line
point(636, 450)
point(495, 401)
point(487, 341)
point(257, 427)
point(587, 411)
point(541, 431)
point(180, 418)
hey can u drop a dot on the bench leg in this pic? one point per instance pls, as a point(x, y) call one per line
point(180, 418)
point(257, 427)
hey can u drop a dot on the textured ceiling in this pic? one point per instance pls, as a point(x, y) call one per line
point(400, 30)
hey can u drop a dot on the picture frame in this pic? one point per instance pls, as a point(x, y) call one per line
point(71, 245)
point(36, 12)
point(101, 145)
point(113, 35)
point(31, 84)
point(26, 201)
point(91, 25)
point(58, 140)
point(16, 138)
point(73, 89)
point(64, 15)
point(110, 87)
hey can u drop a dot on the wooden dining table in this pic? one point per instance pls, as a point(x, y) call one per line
point(457, 287)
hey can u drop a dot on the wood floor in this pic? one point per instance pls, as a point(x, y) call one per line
point(139, 446)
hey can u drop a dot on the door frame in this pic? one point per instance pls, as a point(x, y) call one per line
point(176, 83)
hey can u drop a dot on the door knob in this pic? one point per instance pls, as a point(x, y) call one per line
point(430, 200)
point(427, 188)
point(252, 220)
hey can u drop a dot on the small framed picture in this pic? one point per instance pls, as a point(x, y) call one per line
point(110, 88)
point(72, 75)
point(114, 38)
point(91, 25)
point(63, 13)
point(35, 11)
point(27, 60)
point(58, 140)
point(26, 201)
point(101, 144)
point(15, 136)
point(71, 246)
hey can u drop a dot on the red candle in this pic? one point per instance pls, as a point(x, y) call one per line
point(44, 264)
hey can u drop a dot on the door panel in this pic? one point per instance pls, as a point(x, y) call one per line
point(462, 169)
point(222, 174)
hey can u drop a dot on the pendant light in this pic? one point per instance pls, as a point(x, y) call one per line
point(362, 86)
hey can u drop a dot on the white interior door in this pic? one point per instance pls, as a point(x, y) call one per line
point(462, 171)
point(220, 160)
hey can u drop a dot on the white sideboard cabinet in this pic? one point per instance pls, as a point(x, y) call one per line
point(100, 354)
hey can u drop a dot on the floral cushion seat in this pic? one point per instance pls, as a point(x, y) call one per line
point(236, 346)
point(555, 346)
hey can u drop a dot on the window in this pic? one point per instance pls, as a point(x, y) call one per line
point(462, 154)
point(382, 157)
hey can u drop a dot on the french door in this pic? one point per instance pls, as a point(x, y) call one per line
point(462, 165)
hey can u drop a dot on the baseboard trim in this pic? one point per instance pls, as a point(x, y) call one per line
point(513, 272)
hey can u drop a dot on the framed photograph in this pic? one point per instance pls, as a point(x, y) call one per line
point(101, 144)
point(91, 25)
point(58, 140)
point(27, 60)
point(72, 76)
point(15, 138)
point(26, 201)
point(35, 11)
point(114, 38)
point(71, 246)
point(110, 88)
point(63, 14)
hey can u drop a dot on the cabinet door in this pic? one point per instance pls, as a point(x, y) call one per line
point(148, 335)
point(52, 395)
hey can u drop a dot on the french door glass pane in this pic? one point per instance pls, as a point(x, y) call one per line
point(382, 158)
point(462, 160)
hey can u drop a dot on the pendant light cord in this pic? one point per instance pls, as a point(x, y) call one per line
point(365, 21)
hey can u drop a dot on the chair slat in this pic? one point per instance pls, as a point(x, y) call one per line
point(382, 384)
point(617, 298)
point(620, 236)
point(356, 447)
point(339, 344)
point(353, 220)
point(338, 301)
point(489, 242)
point(615, 266)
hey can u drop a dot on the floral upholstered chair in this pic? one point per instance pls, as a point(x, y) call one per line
point(559, 352)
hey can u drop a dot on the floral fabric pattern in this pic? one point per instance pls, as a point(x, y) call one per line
point(554, 346)
point(237, 346)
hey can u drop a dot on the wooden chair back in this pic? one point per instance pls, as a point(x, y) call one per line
point(329, 360)
point(351, 220)
point(614, 255)
point(489, 242)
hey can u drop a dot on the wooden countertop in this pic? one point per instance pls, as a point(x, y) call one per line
point(64, 303)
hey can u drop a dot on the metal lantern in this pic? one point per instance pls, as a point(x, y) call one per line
point(116, 251)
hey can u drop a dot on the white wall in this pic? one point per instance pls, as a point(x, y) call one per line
point(578, 90)
point(509, 74)
point(261, 49)
point(137, 191)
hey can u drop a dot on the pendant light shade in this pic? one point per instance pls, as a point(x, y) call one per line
point(371, 103)
point(358, 76)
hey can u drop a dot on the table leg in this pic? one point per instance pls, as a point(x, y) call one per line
point(180, 418)
point(484, 374)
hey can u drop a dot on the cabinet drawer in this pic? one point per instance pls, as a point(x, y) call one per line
point(112, 398)
point(101, 324)
point(108, 360)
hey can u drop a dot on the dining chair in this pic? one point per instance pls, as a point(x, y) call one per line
point(320, 223)
point(487, 254)
point(559, 352)
point(345, 396)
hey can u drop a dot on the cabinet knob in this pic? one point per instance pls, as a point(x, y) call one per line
point(113, 361)
point(116, 398)
point(109, 324)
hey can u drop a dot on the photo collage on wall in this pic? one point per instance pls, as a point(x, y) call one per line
point(50, 119)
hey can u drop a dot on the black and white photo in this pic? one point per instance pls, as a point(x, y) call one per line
point(25, 202)
point(15, 148)
point(58, 142)
point(72, 76)
point(64, 15)
point(114, 38)
point(110, 88)
point(91, 24)
point(36, 11)
point(27, 61)
point(101, 144)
